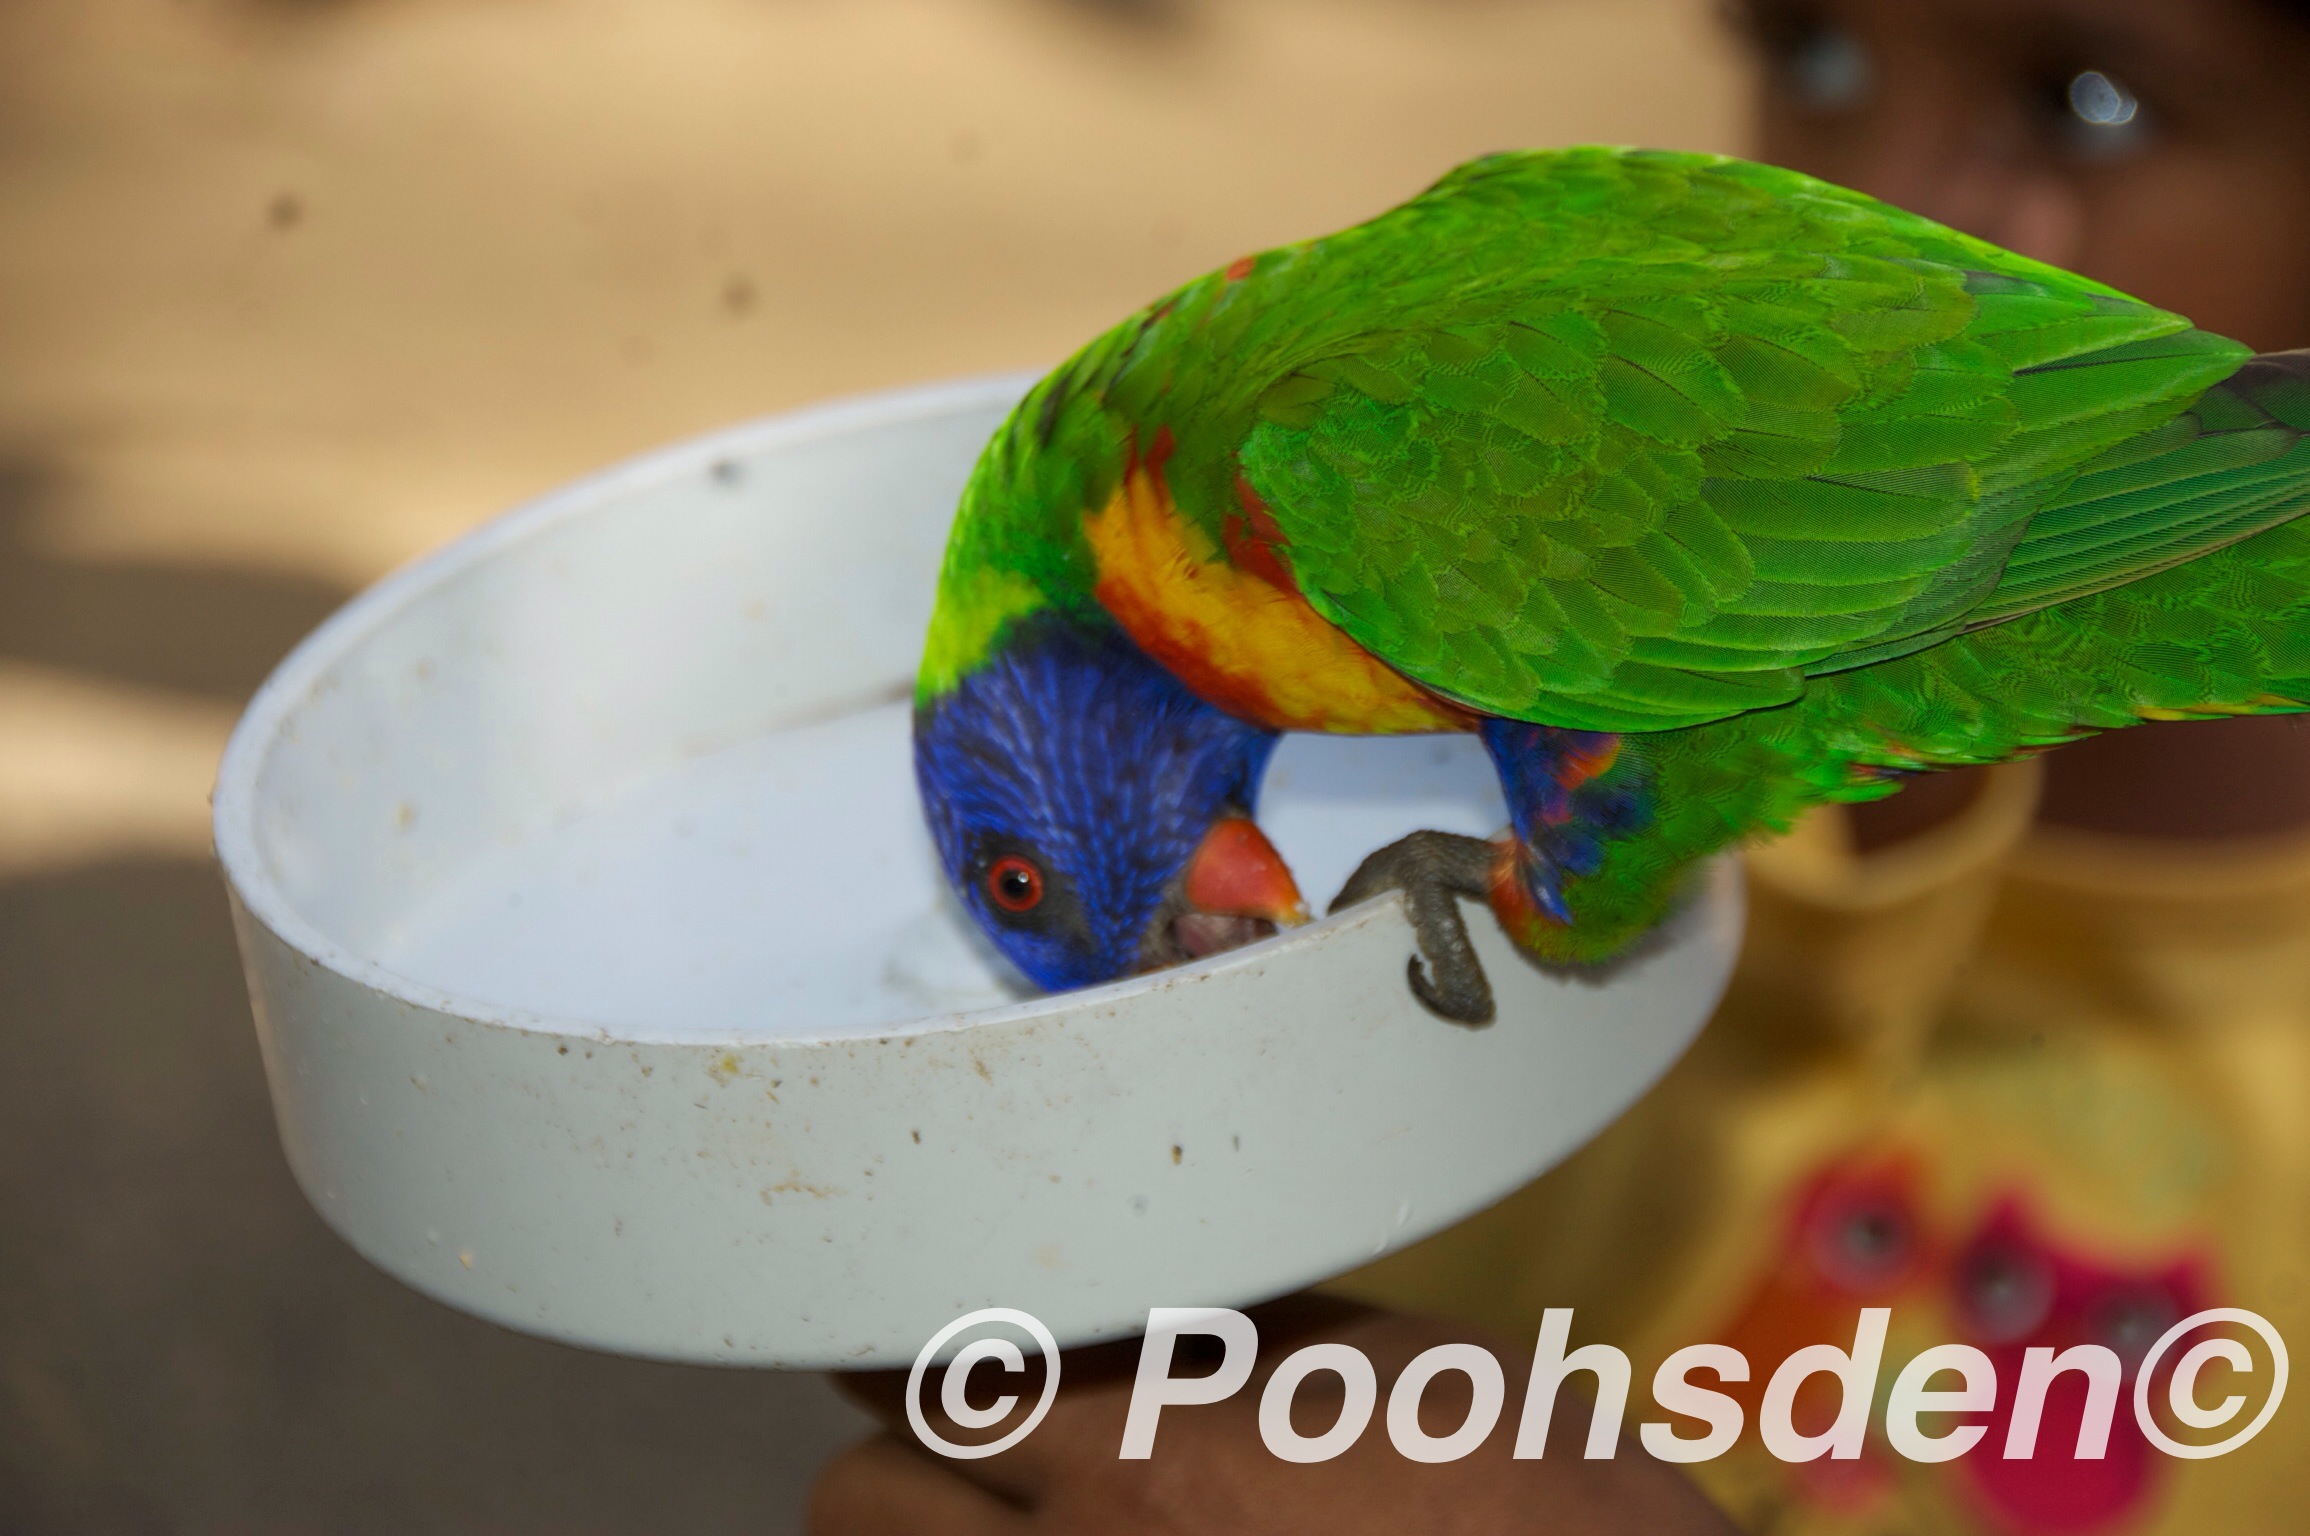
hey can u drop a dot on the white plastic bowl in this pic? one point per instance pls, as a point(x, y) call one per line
point(607, 988)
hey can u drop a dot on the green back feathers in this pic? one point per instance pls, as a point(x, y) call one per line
point(1017, 547)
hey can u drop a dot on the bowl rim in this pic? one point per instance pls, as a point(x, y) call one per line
point(302, 673)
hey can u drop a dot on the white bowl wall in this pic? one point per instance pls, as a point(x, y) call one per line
point(605, 989)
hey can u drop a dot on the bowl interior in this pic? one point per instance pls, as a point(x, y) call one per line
point(634, 761)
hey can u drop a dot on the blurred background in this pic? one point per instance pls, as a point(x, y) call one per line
point(293, 290)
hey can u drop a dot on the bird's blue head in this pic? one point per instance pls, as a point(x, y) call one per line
point(1093, 814)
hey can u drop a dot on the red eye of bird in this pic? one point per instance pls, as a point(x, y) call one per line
point(1015, 885)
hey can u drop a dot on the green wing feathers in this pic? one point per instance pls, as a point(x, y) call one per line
point(2194, 601)
point(2220, 626)
point(1719, 428)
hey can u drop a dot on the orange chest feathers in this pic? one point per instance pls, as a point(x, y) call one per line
point(1236, 630)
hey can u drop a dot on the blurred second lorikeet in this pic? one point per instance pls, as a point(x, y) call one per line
point(1702, 491)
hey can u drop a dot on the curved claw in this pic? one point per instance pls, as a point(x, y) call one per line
point(1463, 997)
point(1433, 870)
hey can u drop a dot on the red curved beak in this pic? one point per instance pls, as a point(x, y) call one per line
point(1236, 872)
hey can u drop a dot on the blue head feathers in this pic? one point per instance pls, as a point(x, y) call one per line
point(1067, 783)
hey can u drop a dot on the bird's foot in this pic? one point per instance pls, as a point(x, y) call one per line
point(1433, 870)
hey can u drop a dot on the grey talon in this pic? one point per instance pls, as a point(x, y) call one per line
point(1433, 870)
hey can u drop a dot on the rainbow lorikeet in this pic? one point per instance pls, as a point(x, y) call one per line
point(1703, 491)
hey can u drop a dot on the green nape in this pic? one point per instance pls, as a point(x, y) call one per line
point(975, 607)
point(1017, 543)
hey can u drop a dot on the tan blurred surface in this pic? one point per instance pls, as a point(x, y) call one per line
point(291, 291)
